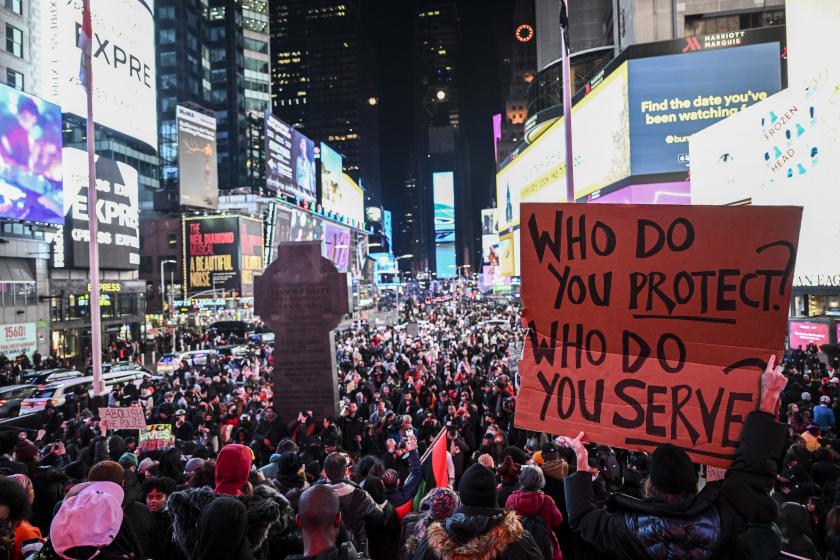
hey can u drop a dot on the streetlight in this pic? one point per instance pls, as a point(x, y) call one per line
point(440, 95)
point(163, 263)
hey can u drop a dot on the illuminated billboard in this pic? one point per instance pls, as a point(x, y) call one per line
point(222, 253)
point(489, 237)
point(538, 174)
point(443, 186)
point(198, 175)
point(335, 239)
point(30, 152)
point(674, 96)
point(350, 201)
point(803, 333)
point(123, 53)
point(117, 212)
point(289, 160)
point(333, 185)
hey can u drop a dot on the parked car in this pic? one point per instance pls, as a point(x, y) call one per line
point(108, 367)
point(44, 376)
point(197, 357)
point(168, 363)
point(11, 396)
point(56, 393)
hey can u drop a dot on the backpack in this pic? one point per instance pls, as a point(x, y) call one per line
point(535, 525)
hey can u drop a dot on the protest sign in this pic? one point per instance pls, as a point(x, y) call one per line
point(128, 418)
point(155, 437)
point(652, 324)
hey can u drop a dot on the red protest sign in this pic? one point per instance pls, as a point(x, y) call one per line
point(652, 324)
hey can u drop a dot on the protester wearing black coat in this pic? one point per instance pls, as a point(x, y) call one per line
point(701, 526)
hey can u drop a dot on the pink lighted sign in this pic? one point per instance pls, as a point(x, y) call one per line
point(803, 333)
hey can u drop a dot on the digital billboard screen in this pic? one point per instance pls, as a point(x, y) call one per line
point(123, 54)
point(332, 165)
point(211, 254)
point(251, 253)
point(445, 260)
point(676, 192)
point(489, 237)
point(803, 333)
point(335, 239)
point(30, 153)
point(443, 188)
point(197, 170)
point(677, 95)
point(117, 212)
point(289, 160)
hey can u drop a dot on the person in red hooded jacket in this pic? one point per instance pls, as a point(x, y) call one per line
point(531, 502)
point(232, 468)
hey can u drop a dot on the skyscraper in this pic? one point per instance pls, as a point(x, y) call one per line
point(323, 81)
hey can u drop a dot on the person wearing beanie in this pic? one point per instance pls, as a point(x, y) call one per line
point(24, 531)
point(290, 474)
point(132, 487)
point(478, 529)
point(823, 415)
point(675, 517)
point(232, 468)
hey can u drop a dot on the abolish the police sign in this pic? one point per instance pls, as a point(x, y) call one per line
point(652, 324)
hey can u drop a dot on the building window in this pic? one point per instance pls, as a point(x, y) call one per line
point(15, 6)
point(166, 13)
point(167, 58)
point(14, 40)
point(14, 79)
point(167, 36)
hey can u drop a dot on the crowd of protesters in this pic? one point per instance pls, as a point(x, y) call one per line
point(237, 481)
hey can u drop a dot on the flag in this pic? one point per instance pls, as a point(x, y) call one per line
point(564, 24)
point(85, 41)
point(434, 471)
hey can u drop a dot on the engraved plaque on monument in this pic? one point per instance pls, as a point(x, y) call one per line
point(302, 298)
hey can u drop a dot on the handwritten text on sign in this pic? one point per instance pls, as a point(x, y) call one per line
point(652, 324)
point(129, 418)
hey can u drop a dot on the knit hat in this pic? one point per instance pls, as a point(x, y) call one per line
point(146, 464)
point(825, 399)
point(508, 470)
point(232, 468)
point(91, 517)
point(390, 478)
point(128, 460)
point(478, 487)
point(550, 451)
point(107, 471)
point(192, 465)
point(289, 464)
point(672, 471)
point(25, 451)
point(806, 396)
point(442, 503)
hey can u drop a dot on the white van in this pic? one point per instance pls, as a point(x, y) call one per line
point(56, 393)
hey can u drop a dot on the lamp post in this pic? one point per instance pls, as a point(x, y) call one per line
point(163, 264)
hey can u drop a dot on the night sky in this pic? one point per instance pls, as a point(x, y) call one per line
point(485, 34)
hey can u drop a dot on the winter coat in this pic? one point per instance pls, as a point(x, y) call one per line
point(701, 527)
point(384, 537)
point(477, 533)
point(400, 494)
point(528, 503)
point(264, 514)
point(357, 507)
point(343, 552)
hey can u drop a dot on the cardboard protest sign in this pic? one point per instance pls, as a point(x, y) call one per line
point(128, 418)
point(155, 437)
point(652, 324)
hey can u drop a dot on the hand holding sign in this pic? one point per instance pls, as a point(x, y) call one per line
point(580, 452)
point(773, 382)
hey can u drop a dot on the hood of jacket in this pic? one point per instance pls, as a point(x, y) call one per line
point(555, 468)
point(474, 533)
point(265, 513)
point(526, 502)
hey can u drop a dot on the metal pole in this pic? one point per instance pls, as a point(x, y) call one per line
point(93, 229)
point(162, 289)
point(567, 115)
point(171, 303)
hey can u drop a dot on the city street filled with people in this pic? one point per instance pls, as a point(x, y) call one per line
point(237, 481)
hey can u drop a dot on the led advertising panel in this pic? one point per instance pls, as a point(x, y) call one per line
point(782, 151)
point(123, 51)
point(117, 212)
point(677, 192)
point(30, 158)
point(443, 187)
point(222, 253)
point(445, 260)
point(489, 237)
point(387, 229)
point(674, 96)
point(289, 160)
point(335, 239)
point(803, 333)
point(349, 201)
point(331, 183)
point(251, 255)
point(197, 169)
